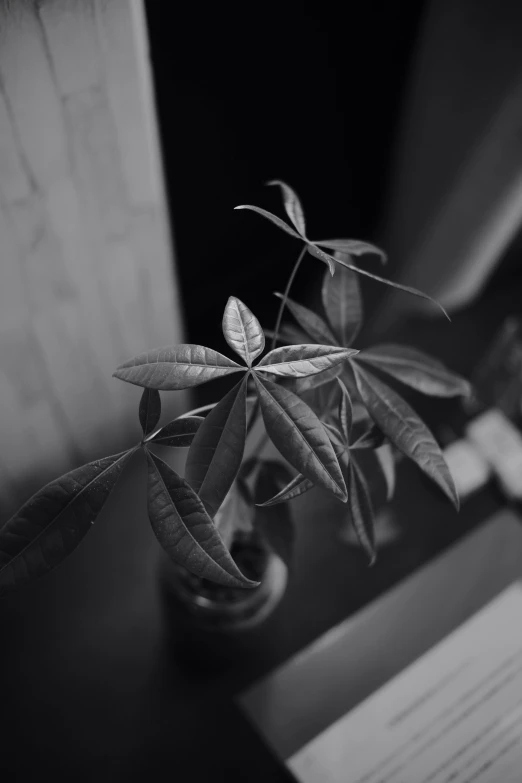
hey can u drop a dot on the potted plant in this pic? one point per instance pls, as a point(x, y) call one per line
point(321, 403)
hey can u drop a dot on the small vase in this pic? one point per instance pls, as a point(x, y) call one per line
point(213, 625)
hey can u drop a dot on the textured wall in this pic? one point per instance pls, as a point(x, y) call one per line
point(85, 262)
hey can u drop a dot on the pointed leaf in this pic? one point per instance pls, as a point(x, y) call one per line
point(361, 510)
point(184, 529)
point(297, 486)
point(178, 433)
point(406, 431)
point(53, 522)
point(178, 367)
point(340, 448)
point(406, 288)
point(313, 324)
point(149, 410)
point(322, 256)
point(416, 369)
point(386, 460)
point(236, 513)
point(242, 330)
point(354, 247)
point(216, 452)
point(343, 303)
point(297, 361)
point(292, 204)
point(345, 412)
point(277, 221)
point(299, 436)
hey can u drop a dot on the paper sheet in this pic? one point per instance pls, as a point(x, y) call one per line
point(453, 716)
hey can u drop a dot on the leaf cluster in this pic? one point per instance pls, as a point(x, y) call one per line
point(322, 402)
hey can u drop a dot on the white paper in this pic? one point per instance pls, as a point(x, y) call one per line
point(453, 716)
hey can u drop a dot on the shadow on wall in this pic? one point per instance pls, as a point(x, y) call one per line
point(86, 279)
point(455, 200)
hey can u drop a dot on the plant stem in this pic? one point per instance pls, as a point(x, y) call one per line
point(255, 409)
point(285, 296)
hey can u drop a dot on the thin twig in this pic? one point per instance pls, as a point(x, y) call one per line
point(285, 296)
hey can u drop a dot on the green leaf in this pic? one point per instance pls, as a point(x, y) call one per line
point(216, 452)
point(361, 510)
point(242, 330)
point(406, 431)
point(316, 252)
point(355, 247)
point(297, 361)
point(406, 288)
point(179, 367)
point(342, 302)
point(297, 486)
point(292, 204)
point(149, 410)
point(53, 522)
point(312, 324)
point(185, 530)
point(345, 412)
point(236, 513)
point(416, 369)
point(299, 436)
point(277, 221)
point(386, 461)
point(178, 433)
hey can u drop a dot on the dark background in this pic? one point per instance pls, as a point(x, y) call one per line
point(273, 91)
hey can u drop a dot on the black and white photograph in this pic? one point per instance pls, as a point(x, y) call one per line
point(261, 391)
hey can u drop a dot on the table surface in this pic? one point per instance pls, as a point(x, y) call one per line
point(91, 686)
point(306, 695)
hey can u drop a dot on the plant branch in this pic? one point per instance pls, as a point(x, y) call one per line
point(286, 294)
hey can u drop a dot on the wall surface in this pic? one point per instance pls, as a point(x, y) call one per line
point(86, 269)
point(455, 201)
